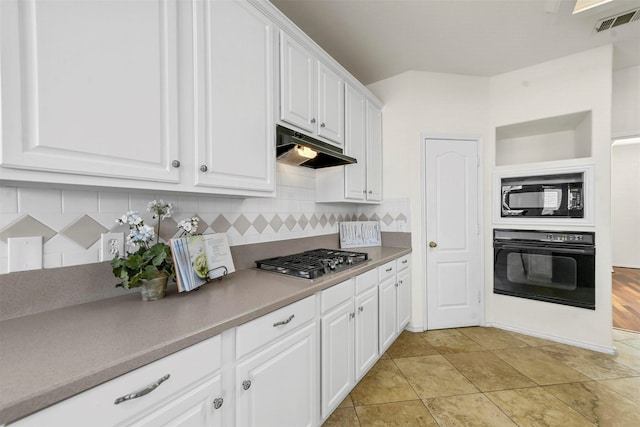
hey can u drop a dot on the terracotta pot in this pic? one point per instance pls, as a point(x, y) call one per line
point(154, 289)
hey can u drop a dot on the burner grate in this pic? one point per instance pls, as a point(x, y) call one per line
point(314, 263)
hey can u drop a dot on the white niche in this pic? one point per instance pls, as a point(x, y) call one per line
point(553, 138)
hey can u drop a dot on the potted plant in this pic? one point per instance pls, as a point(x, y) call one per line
point(145, 264)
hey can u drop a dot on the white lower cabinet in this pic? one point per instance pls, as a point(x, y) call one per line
point(178, 390)
point(349, 336)
point(388, 295)
point(395, 299)
point(197, 407)
point(277, 386)
point(276, 372)
point(404, 291)
point(290, 367)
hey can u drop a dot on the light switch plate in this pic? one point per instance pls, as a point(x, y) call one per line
point(25, 253)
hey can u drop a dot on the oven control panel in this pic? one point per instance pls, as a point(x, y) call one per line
point(553, 237)
point(564, 237)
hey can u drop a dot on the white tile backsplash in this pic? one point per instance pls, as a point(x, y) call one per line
point(74, 201)
point(9, 200)
point(114, 203)
point(42, 201)
point(283, 214)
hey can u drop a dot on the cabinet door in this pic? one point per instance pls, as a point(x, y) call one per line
point(374, 153)
point(337, 330)
point(234, 87)
point(355, 143)
point(200, 406)
point(404, 298)
point(366, 331)
point(90, 87)
point(180, 387)
point(297, 84)
point(278, 385)
point(330, 105)
point(388, 307)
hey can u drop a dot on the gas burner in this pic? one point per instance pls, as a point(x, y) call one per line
point(314, 263)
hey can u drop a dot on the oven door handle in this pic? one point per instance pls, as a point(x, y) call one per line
point(585, 251)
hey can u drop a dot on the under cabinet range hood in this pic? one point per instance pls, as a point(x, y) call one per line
point(295, 148)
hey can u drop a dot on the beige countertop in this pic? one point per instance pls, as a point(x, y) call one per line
point(50, 356)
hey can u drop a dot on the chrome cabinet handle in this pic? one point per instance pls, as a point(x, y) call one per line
point(204, 168)
point(284, 322)
point(370, 191)
point(148, 389)
point(361, 309)
point(322, 125)
point(432, 244)
point(389, 269)
point(405, 261)
point(364, 191)
point(217, 403)
point(352, 315)
point(246, 384)
point(175, 163)
point(396, 285)
point(313, 120)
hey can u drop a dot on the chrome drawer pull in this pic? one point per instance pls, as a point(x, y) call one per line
point(405, 261)
point(389, 269)
point(142, 392)
point(246, 384)
point(217, 402)
point(283, 322)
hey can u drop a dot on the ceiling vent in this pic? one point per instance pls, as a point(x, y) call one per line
point(619, 19)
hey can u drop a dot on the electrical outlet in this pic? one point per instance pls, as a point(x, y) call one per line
point(110, 245)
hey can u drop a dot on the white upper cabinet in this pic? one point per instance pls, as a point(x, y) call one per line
point(90, 88)
point(143, 94)
point(235, 146)
point(356, 136)
point(297, 84)
point(330, 104)
point(311, 94)
point(374, 153)
point(360, 182)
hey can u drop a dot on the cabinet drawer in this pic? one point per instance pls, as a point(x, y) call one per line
point(403, 262)
point(96, 407)
point(386, 270)
point(260, 331)
point(366, 281)
point(335, 295)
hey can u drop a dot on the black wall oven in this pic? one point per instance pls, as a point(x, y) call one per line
point(551, 266)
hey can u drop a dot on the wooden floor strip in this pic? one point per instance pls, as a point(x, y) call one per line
point(626, 298)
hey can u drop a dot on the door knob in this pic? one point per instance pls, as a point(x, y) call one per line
point(432, 244)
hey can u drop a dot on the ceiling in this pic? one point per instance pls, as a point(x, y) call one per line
point(377, 39)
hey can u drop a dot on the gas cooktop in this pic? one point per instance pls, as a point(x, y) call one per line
point(314, 263)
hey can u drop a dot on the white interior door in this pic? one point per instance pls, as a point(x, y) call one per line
point(454, 279)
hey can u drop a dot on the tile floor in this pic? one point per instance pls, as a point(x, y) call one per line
point(490, 377)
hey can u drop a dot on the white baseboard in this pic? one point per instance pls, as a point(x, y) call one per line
point(626, 266)
point(414, 328)
point(608, 350)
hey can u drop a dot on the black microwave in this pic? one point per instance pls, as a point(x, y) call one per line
point(543, 196)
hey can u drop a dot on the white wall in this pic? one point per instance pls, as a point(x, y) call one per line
point(433, 103)
point(538, 148)
point(625, 205)
point(580, 82)
point(625, 181)
point(625, 107)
